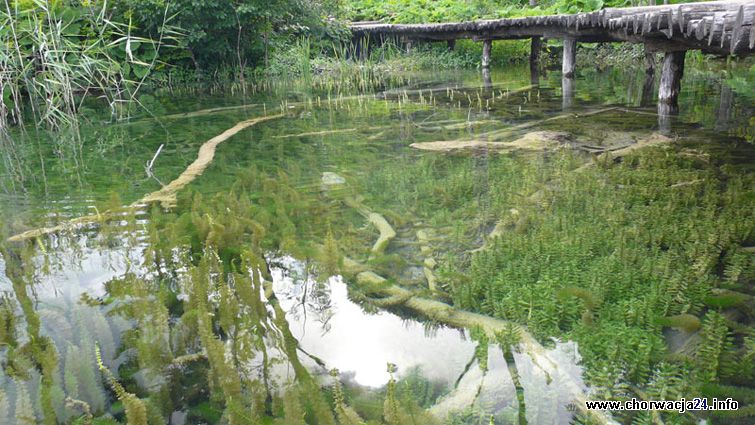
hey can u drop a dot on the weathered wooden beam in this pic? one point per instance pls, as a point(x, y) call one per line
point(487, 46)
point(569, 58)
point(671, 77)
point(720, 27)
point(487, 81)
point(567, 93)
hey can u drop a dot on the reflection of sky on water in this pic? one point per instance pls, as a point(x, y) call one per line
point(346, 337)
point(338, 331)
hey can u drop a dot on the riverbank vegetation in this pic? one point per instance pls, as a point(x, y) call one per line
point(64, 60)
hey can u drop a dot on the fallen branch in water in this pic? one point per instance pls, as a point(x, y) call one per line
point(654, 139)
point(209, 111)
point(686, 183)
point(459, 89)
point(534, 141)
point(498, 134)
point(386, 233)
point(429, 262)
point(166, 196)
point(152, 162)
point(317, 133)
point(458, 125)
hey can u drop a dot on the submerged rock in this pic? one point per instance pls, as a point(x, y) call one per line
point(332, 179)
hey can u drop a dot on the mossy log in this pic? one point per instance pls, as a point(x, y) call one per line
point(429, 262)
point(328, 132)
point(500, 134)
point(488, 140)
point(654, 139)
point(534, 141)
point(387, 234)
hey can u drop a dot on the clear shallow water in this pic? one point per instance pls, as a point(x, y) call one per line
point(51, 178)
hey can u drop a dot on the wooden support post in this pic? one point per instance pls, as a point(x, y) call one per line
point(649, 84)
point(354, 51)
point(649, 62)
point(725, 108)
point(671, 77)
point(364, 46)
point(567, 93)
point(487, 46)
point(665, 114)
point(451, 45)
point(570, 53)
point(409, 45)
point(535, 47)
point(487, 81)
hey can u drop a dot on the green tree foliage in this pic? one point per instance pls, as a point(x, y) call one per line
point(424, 11)
point(237, 32)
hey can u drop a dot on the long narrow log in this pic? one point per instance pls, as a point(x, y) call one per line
point(166, 196)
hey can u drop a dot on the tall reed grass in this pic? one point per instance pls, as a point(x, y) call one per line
point(55, 58)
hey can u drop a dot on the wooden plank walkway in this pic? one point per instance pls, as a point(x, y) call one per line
point(717, 27)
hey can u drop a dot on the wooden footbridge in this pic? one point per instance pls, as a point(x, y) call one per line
point(718, 27)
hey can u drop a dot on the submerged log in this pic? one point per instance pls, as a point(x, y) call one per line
point(534, 141)
point(165, 196)
point(387, 234)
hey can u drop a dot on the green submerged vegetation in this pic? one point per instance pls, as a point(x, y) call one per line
point(542, 256)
